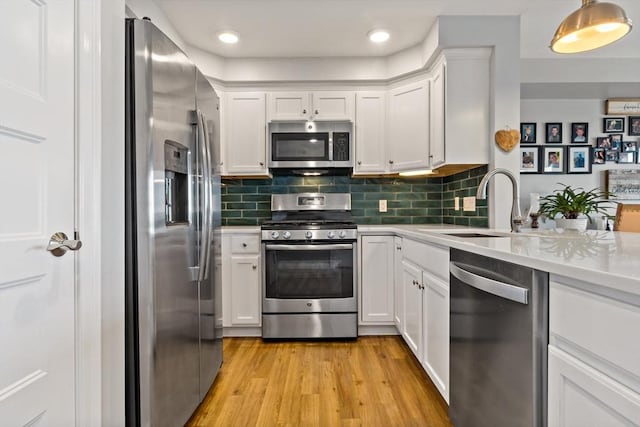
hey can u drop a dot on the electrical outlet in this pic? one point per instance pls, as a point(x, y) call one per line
point(469, 204)
point(382, 206)
point(456, 203)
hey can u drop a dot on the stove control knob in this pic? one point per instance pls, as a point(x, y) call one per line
point(308, 234)
point(275, 234)
point(342, 234)
point(286, 235)
point(331, 235)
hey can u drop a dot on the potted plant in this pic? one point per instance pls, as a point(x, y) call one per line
point(570, 204)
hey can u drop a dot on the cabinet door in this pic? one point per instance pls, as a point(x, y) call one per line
point(398, 298)
point(582, 396)
point(245, 134)
point(437, 111)
point(333, 105)
point(371, 154)
point(412, 283)
point(377, 270)
point(436, 332)
point(245, 290)
point(409, 126)
point(289, 106)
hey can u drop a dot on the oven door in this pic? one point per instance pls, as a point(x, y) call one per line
point(309, 278)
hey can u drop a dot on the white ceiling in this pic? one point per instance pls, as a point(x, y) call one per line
point(334, 28)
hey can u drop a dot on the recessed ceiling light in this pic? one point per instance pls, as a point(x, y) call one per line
point(378, 36)
point(229, 37)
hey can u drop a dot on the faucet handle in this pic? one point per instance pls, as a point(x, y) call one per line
point(516, 223)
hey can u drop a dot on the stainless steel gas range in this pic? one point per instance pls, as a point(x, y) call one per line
point(309, 255)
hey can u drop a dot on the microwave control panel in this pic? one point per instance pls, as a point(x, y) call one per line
point(341, 146)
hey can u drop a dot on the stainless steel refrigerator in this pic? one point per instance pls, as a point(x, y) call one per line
point(173, 288)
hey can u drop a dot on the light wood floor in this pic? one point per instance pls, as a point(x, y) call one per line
point(374, 381)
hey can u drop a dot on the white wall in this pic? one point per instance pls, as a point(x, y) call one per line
point(566, 111)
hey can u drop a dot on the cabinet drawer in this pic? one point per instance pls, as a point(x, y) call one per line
point(604, 327)
point(245, 244)
point(434, 259)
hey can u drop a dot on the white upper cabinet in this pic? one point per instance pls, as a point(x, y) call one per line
point(370, 125)
point(460, 97)
point(320, 105)
point(437, 112)
point(333, 105)
point(244, 150)
point(289, 106)
point(409, 127)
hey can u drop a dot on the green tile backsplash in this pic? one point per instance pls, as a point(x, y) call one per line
point(409, 200)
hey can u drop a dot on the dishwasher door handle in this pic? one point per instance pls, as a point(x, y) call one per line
point(501, 289)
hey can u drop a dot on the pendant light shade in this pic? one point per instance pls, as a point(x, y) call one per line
point(592, 26)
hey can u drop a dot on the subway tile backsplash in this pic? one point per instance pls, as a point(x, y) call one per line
point(409, 200)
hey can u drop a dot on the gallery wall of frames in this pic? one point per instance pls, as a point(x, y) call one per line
point(556, 147)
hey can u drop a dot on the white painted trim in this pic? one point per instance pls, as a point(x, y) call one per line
point(88, 283)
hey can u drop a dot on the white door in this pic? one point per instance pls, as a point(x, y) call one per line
point(37, 297)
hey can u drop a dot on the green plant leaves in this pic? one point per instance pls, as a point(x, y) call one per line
point(571, 202)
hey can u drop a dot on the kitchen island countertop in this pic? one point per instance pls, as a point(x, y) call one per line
point(604, 258)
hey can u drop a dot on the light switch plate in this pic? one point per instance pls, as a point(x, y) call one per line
point(382, 205)
point(469, 204)
point(456, 203)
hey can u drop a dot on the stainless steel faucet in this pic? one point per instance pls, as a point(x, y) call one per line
point(481, 194)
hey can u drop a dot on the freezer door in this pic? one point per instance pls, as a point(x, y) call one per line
point(207, 104)
point(165, 223)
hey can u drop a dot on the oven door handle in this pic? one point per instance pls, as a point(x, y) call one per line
point(316, 247)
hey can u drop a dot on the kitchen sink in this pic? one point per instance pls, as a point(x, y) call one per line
point(471, 235)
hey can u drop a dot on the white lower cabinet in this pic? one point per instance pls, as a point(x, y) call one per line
point(398, 292)
point(423, 316)
point(436, 331)
point(581, 396)
point(412, 288)
point(594, 355)
point(245, 285)
point(241, 280)
point(376, 279)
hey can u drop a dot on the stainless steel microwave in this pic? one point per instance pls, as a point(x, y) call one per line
point(310, 145)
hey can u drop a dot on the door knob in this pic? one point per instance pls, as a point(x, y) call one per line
point(59, 244)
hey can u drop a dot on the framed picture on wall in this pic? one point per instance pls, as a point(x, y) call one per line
point(629, 146)
point(616, 140)
point(528, 133)
point(603, 142)
point(611, 156)
point(634, 126)
point(579, 133)
point(599, 156)
point(613, 124)
point(553, 159)
point(578, 159)
point(627, 157)
point(529, 159)
point(553, 133)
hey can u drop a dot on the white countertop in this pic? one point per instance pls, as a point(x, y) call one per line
point(604, 258)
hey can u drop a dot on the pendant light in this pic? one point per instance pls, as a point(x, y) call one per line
point(592, 26)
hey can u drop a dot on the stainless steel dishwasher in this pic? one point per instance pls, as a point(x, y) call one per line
point(499, 335)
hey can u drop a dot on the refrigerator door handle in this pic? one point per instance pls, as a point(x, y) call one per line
point(204, 205)
point(494, 287)
point(209, 178)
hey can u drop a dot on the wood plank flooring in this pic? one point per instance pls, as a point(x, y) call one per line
point(374, 381)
